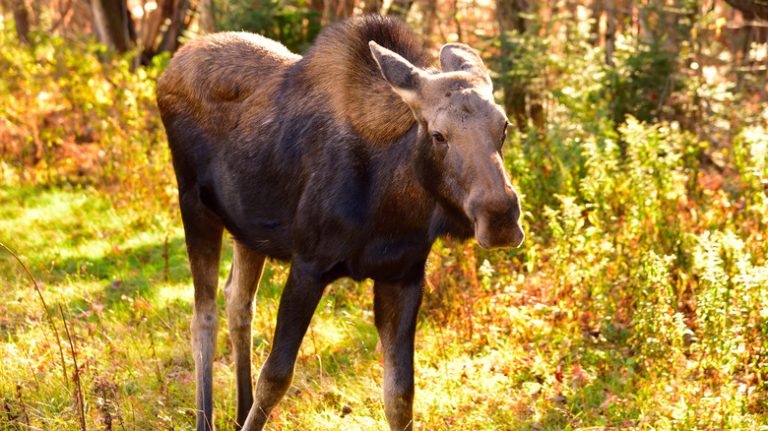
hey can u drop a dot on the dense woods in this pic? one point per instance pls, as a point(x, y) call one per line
point(639, 299)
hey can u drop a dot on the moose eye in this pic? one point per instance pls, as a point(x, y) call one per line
point(438, 137)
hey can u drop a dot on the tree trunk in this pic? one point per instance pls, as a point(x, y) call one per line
point(155, 37)
point(317, 6)
point(751, 8)
point(372, 6)
point(170, 42)
point(508, 15)
point(150, 29)
point(610, 32)
point(596, 34)
point(113, 24)
point(430, 26)
point(336, 10)
point(21, 17)
point(207, 16)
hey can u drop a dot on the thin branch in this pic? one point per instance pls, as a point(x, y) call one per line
point(79, 398)
point(62, 16)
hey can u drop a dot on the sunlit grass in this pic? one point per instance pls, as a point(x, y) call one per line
point(130, 316)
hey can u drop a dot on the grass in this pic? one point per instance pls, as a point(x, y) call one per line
point(121, 277)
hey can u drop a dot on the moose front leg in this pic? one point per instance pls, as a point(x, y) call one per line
point(396, 307)
point(297, 305)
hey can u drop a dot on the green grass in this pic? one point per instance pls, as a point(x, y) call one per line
point(121, 277)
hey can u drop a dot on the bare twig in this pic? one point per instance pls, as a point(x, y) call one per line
point(158, 371)
point(63, 13)
point(165, 259)
point(45, 308)
point(80, 401)
point(456, 20)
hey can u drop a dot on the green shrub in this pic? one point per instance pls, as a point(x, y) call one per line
point(292, 22)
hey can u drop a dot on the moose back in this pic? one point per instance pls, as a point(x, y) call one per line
point(347, 162)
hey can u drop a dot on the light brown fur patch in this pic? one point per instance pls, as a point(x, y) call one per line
point(221, 78)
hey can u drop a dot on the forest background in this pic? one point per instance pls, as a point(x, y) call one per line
point(639, 299)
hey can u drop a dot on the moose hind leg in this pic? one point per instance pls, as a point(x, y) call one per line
point(203, 232)
point(300, 297)
point(395, 310)
point(247, 267)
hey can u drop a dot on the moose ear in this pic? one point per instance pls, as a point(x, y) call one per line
point(404, 77)
point(455, 57)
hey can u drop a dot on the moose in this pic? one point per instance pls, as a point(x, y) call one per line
point(347, 162)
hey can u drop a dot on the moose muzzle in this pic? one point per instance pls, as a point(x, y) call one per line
point(497, 221)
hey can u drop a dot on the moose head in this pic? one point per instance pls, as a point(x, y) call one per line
point(465, 131)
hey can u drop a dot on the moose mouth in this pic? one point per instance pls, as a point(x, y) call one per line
point(495, 235)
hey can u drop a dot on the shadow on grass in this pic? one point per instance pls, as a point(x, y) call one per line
point(142, 271)
point(124, 273)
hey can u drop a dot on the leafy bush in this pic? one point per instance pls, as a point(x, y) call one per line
point(292, 22)
point(72, 113)
point(650, 246)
